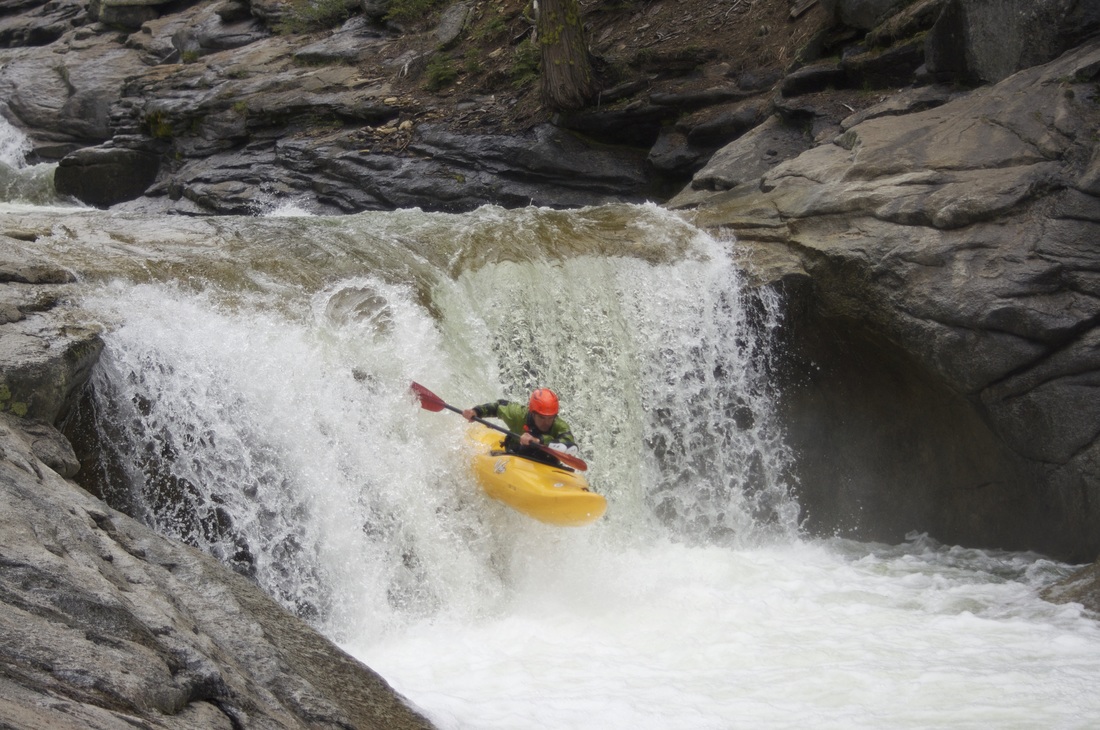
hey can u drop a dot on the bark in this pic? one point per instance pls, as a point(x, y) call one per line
point(567, 80)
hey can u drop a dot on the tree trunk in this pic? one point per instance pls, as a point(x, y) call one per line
point(567, 80)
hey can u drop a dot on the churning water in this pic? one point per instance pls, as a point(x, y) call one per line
point(255, 394)
point(21, 183)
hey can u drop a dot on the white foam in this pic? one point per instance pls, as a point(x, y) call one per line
point(667, 636)
point(14, 145)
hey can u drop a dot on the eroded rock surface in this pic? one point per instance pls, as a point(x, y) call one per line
point(107, 625)
point(964, 237)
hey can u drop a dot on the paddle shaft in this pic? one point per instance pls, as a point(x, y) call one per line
point(482, 421)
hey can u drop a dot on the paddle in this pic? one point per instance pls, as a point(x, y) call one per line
point(429, 401)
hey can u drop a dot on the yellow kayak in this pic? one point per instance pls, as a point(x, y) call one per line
point(548, 493)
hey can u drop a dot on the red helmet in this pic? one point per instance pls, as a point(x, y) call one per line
point(544, 402)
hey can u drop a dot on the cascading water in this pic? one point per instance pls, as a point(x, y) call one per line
point(269, 420)
point(20, 182)
point(254, 400)
point(14, 146)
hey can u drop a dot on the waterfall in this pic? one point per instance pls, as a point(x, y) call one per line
point(14, 145)
point(265, 415)
point(20, 182)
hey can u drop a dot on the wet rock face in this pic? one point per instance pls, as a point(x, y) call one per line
point(982, 41)
point(964, 239)
point(885, 449)
point(1082, 587)
point(103, 623)
point(47, 348)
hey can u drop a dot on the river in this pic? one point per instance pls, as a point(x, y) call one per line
point(254, 400)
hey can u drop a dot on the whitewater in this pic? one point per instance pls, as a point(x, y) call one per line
point(253, 400)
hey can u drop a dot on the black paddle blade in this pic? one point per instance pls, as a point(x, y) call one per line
point(568, 459)
point(429, 401)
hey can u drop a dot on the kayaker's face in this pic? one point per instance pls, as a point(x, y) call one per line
point(543, 423)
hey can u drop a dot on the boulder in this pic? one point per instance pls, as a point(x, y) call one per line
point(543, 165)
point(375, 10)
point(446, 172)
point(637, 124)
point(233, 10)
point(906, 101)
point(748, 158)
point(272, 12)
point(103, 176)
point(451, 24)
point(983, 41)
point(200, 109)
point(66, 98)
point(814, 77)
point(48, 445)
point(1082, 587)
point(157, 40)
point(674, 155)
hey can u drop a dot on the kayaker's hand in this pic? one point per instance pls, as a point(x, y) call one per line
point(469, 414)
point(526, 439)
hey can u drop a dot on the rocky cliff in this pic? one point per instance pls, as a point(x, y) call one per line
point(947, 261)
point(230, 106)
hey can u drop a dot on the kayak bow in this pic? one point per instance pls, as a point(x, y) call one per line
point(545, 492)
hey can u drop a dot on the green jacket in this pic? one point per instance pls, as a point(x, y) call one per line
point(518, 419)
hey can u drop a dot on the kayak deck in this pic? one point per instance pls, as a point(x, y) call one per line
point(547, 493)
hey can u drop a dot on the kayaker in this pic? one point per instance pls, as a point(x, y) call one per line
point(537, 422)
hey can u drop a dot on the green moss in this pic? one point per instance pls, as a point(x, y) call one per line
point(16, 408)
point(156, 123)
